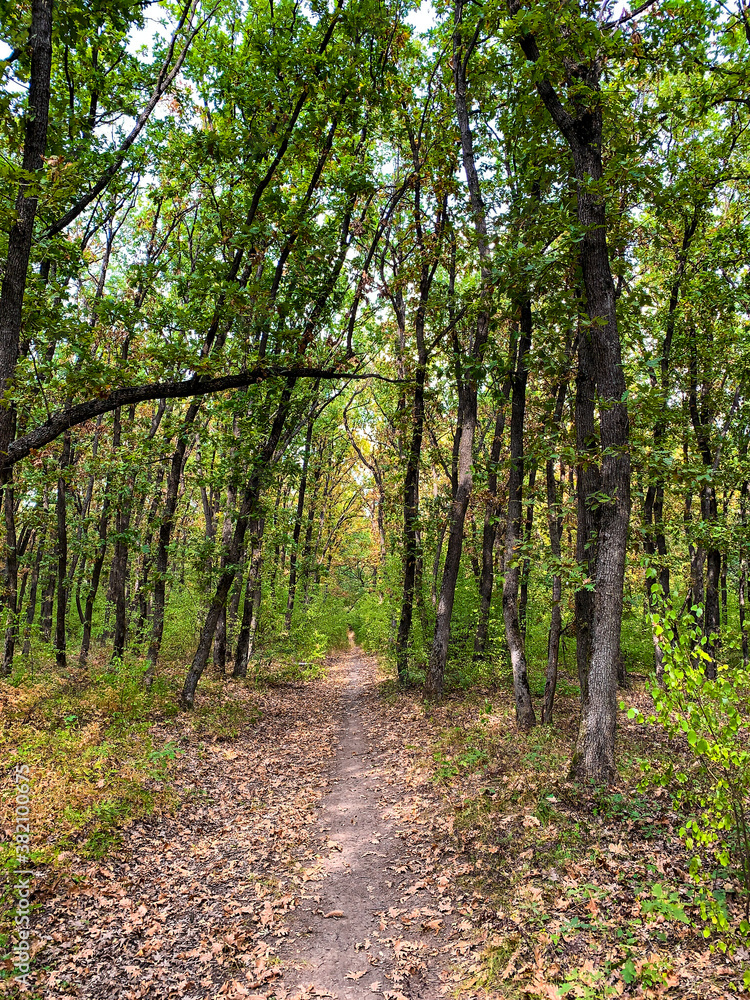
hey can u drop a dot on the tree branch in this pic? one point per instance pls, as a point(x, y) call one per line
point(62, 420)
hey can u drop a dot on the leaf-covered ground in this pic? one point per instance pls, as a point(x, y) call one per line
point(341, 838)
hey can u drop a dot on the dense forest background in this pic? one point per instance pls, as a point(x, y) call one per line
point(312, 320)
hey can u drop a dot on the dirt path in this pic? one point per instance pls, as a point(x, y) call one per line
point(342, 940)
point(315, 809)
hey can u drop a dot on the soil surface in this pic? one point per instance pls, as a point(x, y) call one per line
point(310, 856)
point(341, 942)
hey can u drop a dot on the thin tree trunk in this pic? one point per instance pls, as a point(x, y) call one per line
point(525, 717)
point(555, 525)
point(468, 389)
point(293, 556)
point(411, 512)
point(165, 535)
point(523, 600)
point(62, 557)
point(491, 513)
point(33, 585)
point(11, 568)
point(587, 520)
point(247, 509)
point(96, 574)
point(253, 593)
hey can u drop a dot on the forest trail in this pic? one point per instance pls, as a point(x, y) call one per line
point(318, 807)
point(367, 872)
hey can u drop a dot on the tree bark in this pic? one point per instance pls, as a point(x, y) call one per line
point(467, 395)
point(251, 607)
point(523, 600)
point(11, 568)
point(96, 573)
point(62, 557)
point(21, 233)
point(555, 525)
point(33, 586)
point(248, 508)
point(525, 717)
point(489, 532)
point(594, 759)
point(294, 554)
point(165, 534)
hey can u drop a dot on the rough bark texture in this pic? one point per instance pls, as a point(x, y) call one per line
point(21, 233)
point(588, 482)
point(555, 524)
point(594, 758)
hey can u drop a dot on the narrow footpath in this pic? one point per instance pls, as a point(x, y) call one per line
point(311, 856)
point(368, 927)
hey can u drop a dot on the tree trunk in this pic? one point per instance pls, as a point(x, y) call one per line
point(247, 509)
point(119, 570)
point(525, 717)
point(62, 557)
point(33, 586)
point(11, 567)
point(594, 759)
point(251, 607)
point(554, 520)
point(523, 600)
point(21, 233)
point(489, 532)
point(165, 535)
point(411, 512)
point(293, 556)
point(555, 524)
point(467, 395)
point(587, 519)
point(742, 587)
point(96, 573)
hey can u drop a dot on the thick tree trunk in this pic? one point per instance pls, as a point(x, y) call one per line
point(525, 717)
point(20, 237)
point(594, 759)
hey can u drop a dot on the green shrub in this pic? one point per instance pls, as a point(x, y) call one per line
point(712, 715)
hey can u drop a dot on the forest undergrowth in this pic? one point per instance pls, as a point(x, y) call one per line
point(575, 891)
